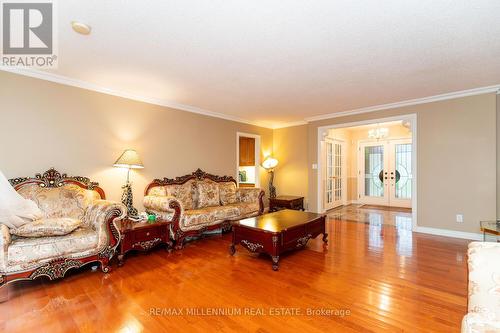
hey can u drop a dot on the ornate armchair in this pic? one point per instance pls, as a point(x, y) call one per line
point(201, 202)
point(60, 196)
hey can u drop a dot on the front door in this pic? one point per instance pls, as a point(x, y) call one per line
point(385, 173)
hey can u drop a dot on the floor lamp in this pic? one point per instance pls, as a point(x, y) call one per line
point(269, 164)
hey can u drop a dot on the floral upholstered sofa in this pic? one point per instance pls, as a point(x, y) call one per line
point(60, 196)
point(201, 202)
point(484, 288)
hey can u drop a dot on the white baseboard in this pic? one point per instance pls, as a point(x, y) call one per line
point(449, 233)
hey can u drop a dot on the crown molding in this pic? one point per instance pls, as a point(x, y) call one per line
point(410, 102)
point(193, 109)
point(290, 124)
point(38, 74)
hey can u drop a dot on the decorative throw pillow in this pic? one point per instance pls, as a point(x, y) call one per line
point(227, 193)
point(208, 194)
point(47, 227)
point(183, 193)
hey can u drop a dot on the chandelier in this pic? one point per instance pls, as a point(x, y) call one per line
point(378, 133)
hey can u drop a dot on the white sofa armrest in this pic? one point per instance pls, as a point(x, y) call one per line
point(101, 216)
point(484, 284)
point(4, 246)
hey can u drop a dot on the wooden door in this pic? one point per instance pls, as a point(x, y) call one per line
point(247, 151)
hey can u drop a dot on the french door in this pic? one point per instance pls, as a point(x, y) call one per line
point(335, 180)
point(385, 173)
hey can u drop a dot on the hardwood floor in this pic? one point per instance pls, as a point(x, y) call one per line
point(389, 279)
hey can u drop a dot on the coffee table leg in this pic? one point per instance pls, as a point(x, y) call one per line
point(120, 260)
point(276, 260)
point(325, 238)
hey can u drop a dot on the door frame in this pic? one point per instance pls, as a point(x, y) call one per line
point(360, 177)
point(322, 130)
point(257, 157)
point(343, 167)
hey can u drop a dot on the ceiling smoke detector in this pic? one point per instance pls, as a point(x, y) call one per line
point(81, 28)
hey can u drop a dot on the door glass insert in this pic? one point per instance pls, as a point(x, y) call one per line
point(329, 172)
point(402, 168)
point(374, 166)
point(338, 172)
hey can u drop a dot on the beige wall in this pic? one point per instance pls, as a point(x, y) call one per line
point(44, 124)
point(498, 155)
point(456, 159)
point(290, 148)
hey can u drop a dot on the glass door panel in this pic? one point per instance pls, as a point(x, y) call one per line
point(334, 173)
point(403, 171)
point(374, 166)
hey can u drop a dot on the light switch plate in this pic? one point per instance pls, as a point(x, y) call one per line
point(315, 166)
point(460, 218)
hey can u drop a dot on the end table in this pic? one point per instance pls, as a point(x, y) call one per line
point(490, 227)
point(142, 236)
point(286, 202)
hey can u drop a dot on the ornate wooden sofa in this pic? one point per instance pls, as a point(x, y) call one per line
point(201, 202)
point(58, 195)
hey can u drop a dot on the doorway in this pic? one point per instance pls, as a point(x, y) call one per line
point(378, 159)
point(385, 173)
point(247, 159)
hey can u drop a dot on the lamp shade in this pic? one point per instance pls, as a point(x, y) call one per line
point(129, 159)
point(269, 163)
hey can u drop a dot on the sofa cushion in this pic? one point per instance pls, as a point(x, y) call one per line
point(207, 194)
point(25, 252)
point(69, 200)
point(209, 215)
point(227, 193)
point(157, 191)
point(245, 208)
point(47, 227)
point(184, 193)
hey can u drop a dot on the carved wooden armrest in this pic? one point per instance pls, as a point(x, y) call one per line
point(101, 216)
point(4, 246)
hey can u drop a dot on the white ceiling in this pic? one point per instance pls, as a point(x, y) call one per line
point(275, 62)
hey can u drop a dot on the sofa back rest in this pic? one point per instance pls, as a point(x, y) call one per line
point(181, 187)
point(59, 195)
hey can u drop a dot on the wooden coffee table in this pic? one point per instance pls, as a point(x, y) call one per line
point(278, 232)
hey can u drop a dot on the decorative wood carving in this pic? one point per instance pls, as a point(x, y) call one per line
point(53, 178)
point(57, 268)
point(147, 245)
point(253, 247)
point(197, 175)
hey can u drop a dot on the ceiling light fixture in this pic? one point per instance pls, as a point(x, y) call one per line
point(378, 133)
point(81, 28)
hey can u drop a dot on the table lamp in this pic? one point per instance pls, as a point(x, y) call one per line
point(129, 159)
point(269, 164)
